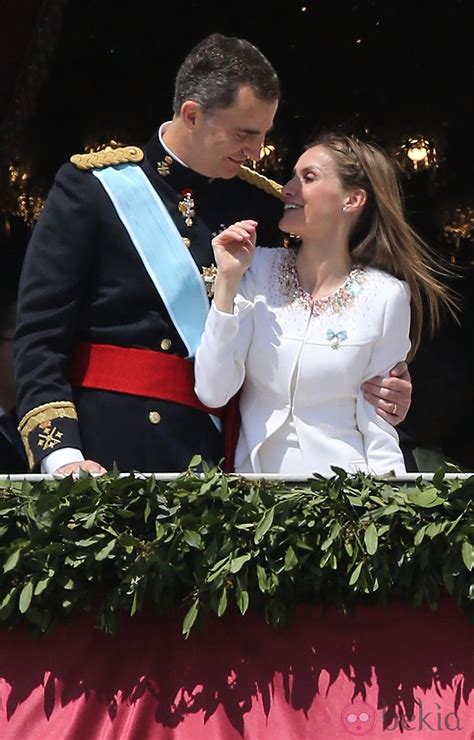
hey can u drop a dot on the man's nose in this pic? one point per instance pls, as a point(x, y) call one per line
point(254, 150)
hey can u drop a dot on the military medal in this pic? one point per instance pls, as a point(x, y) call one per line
point(209, 277)
point(164, 166)
point(186, 206)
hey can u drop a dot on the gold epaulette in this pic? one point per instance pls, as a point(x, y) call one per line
point(260, 181)
point(106, 157)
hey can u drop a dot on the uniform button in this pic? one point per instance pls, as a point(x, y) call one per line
point(154, 417)
point(187, 242)
point(165, 344)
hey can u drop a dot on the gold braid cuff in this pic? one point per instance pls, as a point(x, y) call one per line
point(41, 415)
point(106, 157)
point(260, 181)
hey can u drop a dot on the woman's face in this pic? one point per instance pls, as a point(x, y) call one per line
point(314, 197)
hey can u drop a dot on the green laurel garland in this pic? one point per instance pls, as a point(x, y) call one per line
point(206, 541)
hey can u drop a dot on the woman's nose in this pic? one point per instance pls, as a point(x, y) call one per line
point(288, 189)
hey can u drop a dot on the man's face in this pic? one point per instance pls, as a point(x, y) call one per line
point(225, 137)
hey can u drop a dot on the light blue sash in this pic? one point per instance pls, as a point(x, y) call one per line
point(160, 246)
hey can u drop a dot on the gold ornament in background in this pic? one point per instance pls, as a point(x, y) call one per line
point(26, 204)
point(458, 224)
point(18, 174)
point(272, 159)
point(92, 145)
point(417, 153)
point(29, 208)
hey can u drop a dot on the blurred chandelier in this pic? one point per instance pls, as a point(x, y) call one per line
point(418, 153)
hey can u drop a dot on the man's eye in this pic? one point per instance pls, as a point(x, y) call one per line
point(241, 136)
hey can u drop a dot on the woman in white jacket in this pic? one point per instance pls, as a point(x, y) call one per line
point(298, 331)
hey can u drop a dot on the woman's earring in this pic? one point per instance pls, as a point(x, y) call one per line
point(345, 207)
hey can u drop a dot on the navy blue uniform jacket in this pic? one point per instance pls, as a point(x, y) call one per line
point(83, 280)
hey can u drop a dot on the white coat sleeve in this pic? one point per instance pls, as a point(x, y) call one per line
point(219, 367)
point(381, 442)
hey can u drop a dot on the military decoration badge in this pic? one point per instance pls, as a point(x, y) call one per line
point(49, 436)
point(209, 277)
point(164, 166)
point(186, 206)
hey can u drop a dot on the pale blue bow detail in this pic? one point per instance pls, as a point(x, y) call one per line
point(336, 337)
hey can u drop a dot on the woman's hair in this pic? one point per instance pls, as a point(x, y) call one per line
point(382, 236)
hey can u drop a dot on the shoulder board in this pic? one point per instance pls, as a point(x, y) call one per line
point(260, 181)
point(106, 157)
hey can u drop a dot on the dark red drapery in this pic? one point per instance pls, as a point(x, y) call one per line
point(326, 677)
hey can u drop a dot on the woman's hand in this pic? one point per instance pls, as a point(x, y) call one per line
point(233, 250)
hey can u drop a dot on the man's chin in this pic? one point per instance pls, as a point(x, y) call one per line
point(233, 166)
point(227, 171)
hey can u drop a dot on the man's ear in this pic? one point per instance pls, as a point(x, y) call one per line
point(355, 200)
point(189, 113)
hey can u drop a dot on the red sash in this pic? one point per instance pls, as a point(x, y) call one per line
point(150, 374)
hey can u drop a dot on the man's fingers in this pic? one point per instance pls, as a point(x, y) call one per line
point(89, 466)
point(400, 370)
point(392, 407)
point(390, 389)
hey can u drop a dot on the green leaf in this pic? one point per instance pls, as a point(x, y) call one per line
point(190, 617)
point(243, 600)
point(12, 561)
point(355, 574)
point(371, 539)
point(418, 539)
point(193, 539)
point(389, 510)
point(105, 552)
point(264, 525)
point(467, 551)
point(222, 606)
point(262, 579)
point(426, 499)
point(290, 559)
point(237, 563)
point(42, 585)
point(90, 521)
point(26, 595)
point(195, 461)
point(433, 529)
point(7, 604)
point(147, 512)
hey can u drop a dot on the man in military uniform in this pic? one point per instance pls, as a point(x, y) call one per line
point(112, 301)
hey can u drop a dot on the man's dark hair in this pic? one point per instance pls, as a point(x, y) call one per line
point(217, 67)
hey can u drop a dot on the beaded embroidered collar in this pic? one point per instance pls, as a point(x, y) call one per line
point(335, 302)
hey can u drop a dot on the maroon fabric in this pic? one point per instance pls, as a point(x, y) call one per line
point(236, 677)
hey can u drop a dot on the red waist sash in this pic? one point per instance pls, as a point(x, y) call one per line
point(139, 372)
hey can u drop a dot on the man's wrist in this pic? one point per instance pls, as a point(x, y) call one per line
point(58, 458)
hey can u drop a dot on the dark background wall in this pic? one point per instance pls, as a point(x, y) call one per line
point(75, 74)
